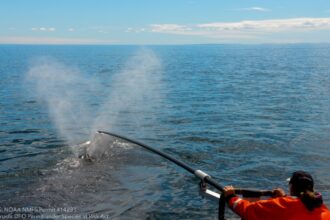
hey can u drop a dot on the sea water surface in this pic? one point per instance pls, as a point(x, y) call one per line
point(248, 115)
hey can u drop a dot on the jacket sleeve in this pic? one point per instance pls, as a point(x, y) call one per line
point(238, 205)
point(262, 209)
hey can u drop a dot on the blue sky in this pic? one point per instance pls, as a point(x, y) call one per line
point(164, 21)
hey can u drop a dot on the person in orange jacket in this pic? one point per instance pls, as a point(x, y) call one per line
point(302, 204)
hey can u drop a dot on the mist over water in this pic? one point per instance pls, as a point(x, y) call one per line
point(133, 93)
point(62, 89)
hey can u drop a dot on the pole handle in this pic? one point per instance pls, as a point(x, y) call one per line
point(252, 193)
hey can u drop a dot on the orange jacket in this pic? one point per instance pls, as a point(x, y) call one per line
point(281, 208)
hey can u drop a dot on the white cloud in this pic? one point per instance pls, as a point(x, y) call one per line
point(255, 8)
point(170, 28)
point(294, 24)
point(43, 29)
point(249, 30)
point(135, 30)
point(99, 29)
point(248, 26)
point(71, 30)
point(265, 26)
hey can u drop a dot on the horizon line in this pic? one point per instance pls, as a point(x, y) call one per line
point(155, 44)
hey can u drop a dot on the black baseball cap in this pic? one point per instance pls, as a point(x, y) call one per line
point(301, 181)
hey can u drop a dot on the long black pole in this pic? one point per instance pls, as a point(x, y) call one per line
point(200, 174)
point(203, 175)
point(169, 157)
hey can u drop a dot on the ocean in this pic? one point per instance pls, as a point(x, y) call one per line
point(248, 115)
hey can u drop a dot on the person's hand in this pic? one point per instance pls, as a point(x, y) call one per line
point(278, 192)
point(228, 191)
